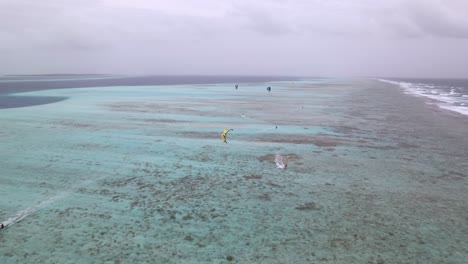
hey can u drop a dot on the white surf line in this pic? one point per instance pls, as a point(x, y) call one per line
point(20, 215)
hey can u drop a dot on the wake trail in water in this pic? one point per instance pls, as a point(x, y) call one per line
point(247, 118)
point(20, 215)
point(261, 123)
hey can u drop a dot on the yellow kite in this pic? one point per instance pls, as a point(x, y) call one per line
point(224, 134)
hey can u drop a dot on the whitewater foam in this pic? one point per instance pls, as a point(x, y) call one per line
point(20, 215)
point(448, 97)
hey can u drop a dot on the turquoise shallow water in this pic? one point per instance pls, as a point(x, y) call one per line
point(140, 175)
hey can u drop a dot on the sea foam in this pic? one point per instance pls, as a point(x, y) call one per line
point(447, 97)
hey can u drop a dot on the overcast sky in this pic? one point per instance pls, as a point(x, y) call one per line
point(411, 38)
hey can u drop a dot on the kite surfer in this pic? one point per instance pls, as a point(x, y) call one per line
point(269, 89)
point(281, 161)
point(224, 134)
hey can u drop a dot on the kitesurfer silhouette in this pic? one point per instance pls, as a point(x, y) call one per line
point(224, 134)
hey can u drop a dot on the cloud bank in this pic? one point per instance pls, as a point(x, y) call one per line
point(315, 37)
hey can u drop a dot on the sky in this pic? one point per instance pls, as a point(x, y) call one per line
point(388, 38)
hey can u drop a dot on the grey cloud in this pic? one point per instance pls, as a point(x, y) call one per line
point(261, 21)
point(436, 19)
point(398, 24)
point(303, 37)
point(46, 26)
point(418, 18)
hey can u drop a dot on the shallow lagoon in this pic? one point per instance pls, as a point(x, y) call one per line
point(140, 175)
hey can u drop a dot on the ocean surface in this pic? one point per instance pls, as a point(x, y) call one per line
point(10, 84)
point(115, 172)
point(451, 94)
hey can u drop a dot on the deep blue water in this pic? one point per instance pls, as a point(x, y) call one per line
point(7, 101)
point(30, 83)
point(17, 84)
